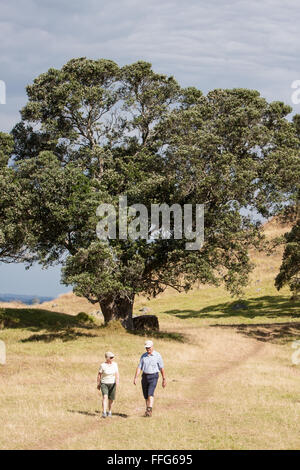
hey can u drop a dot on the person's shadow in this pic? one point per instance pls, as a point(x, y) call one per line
point(96, 413)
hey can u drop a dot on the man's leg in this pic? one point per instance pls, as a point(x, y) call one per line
point(145, 386)
point(150, 401)
point(149, 405)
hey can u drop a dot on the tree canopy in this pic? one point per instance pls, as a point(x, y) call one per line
point(11, 209)
point(290, 268)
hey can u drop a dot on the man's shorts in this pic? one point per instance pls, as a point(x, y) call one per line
point(109, 389)
point(149, 382)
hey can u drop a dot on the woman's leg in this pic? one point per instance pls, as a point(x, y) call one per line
point(104, 403)
point(111, 396)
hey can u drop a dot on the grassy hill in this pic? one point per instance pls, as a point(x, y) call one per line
point(231, 381)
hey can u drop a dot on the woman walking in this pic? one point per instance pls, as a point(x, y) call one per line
point(107, 381)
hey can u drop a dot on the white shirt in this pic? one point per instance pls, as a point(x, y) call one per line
point(108, 372)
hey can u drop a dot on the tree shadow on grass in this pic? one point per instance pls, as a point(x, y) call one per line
point(116, 326)
point(173, 336)
point(39, 319)
point(281, 333)
point(58, 325)
point(66, 335)
point(266, 306)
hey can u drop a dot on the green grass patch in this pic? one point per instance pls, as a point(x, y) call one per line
point(266, 306)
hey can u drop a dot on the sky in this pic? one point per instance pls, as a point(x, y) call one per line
point(216, 44)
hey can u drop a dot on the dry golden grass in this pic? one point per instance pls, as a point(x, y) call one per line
point(275, 227)
point(231, 382)
point(225, 391)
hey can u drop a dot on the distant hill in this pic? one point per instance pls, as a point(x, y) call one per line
point(25, 299)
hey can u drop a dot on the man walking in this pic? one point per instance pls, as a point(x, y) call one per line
point(150, 364)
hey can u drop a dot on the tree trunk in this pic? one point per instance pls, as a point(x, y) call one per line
point(118, 308)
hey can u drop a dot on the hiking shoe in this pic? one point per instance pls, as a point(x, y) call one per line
point(109, 414)
point(104, 415)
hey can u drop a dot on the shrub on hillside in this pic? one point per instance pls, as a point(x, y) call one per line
point(83, 317)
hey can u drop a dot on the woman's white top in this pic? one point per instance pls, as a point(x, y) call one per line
point(108, 372)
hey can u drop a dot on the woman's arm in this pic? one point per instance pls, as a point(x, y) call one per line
point(98, 380)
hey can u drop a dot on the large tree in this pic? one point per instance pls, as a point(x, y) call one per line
point(99, 131)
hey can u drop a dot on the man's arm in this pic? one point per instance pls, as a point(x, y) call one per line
point(160, 364)
point(164, 381)
point(137, 373)
point(138, 370)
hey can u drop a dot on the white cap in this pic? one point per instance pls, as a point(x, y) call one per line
point(109, 354)
point(149, 344)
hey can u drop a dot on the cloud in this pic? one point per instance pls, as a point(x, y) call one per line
point(206, 44)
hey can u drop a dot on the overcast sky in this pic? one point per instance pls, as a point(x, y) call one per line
point(208, 44)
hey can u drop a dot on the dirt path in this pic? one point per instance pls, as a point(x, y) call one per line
point(219, 359)
point(225, 351)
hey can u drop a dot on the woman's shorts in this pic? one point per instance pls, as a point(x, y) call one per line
point(149, 382)
point(109, 389)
